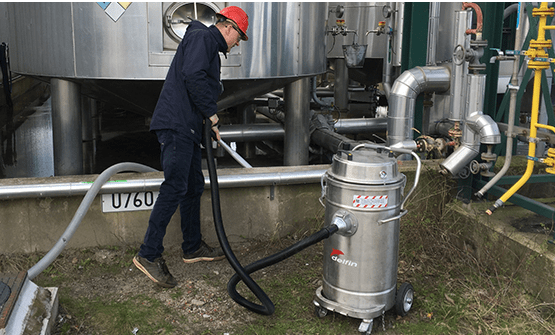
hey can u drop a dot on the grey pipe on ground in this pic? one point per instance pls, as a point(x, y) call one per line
point(80, 213)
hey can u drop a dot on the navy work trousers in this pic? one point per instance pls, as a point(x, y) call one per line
point(183, 185)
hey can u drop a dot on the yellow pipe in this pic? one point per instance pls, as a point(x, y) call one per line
point(533, 133)
point(536, 50)
point(545, 126)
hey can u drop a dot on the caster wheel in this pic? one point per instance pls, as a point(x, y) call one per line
point(404, 299)
point(365, 327)
point(320, 312)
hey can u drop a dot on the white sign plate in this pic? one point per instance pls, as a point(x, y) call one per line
point(127, 202)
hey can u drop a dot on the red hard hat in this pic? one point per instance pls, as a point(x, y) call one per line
point(238, 16)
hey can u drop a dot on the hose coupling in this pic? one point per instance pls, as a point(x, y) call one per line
point(346, 223)
point(495, 206)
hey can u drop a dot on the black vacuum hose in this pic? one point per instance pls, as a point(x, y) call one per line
point(267, 307)
point(273, 259)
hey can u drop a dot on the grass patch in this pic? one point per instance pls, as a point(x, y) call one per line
point(140, 312)
point(455, 293)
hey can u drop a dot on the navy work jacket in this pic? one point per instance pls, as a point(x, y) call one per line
point(192, 86)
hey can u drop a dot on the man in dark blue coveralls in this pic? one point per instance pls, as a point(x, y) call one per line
point(189, 95)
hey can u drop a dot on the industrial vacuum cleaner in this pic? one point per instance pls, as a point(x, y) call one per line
point(363, 192)
point(364, 188)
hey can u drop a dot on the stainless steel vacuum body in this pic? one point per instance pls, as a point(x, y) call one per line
point(365, 188)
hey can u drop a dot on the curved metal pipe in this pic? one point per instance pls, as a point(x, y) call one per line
point(510, 10)
point(477, 128)
point(402, 101)
point(479, 19)
point(315, 96)
point(81, 211)
point(462, 156)
point(513, 87)
point(485, 127)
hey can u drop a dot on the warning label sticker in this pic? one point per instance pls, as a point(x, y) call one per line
point(370, 201)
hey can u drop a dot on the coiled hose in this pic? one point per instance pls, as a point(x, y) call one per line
point(242, 273)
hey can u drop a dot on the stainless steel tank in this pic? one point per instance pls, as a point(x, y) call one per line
point(119, 53)
point(125, 49)
point(365, 188)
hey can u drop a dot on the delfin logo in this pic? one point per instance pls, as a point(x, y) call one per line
point(336, 252)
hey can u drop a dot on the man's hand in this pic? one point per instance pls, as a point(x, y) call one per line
point(214, 119)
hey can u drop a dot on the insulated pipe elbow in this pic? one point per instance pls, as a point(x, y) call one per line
point(402, 100)
point(421, 79)
point(465, 153)
point(485, 127)
point(479, 128)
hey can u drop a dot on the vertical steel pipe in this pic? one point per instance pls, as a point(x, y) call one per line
point(297, 137)
point(341, 86)
point(433, 33)
point(88, 136)
point(463, 19)
point(66, 127)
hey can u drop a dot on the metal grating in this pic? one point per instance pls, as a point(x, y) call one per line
point(10, 286)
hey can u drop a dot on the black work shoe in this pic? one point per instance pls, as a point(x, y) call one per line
point(157, 271)
point(204, 253)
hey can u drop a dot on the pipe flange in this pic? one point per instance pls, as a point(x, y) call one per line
point(488, 157)
point(488, 174)
point(478, 43)
point(477, 67)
